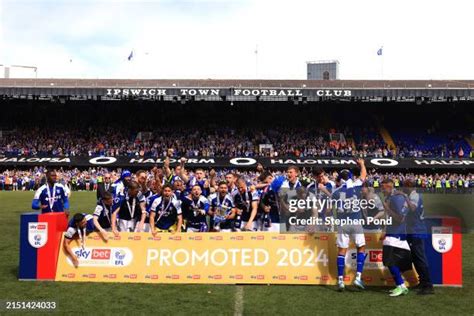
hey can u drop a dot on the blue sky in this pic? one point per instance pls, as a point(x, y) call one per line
point(217, 39)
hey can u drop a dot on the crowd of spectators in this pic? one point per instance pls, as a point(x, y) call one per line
point(209, 142)
point(87, 179)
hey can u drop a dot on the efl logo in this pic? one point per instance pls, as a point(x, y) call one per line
point(71, 276)
point(239, 276)
point(217, 277)
point(260, 237)
point(196, 277)
point(324, 278)
point(303, 278)
point(133, 276)
point(96, 237)
point(303, 237)
point(198, 238)
point(116, 237)
point(368, 279)
point(112, 276)
point(375, 256)
point(324, 237)
point(175, 238)
point(175, 277)
point(101, 254)
point(260, 277)
point(137, 237)
point(282, 277)
point(154, 276)
point(37, 234)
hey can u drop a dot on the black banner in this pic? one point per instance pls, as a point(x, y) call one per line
point(238, 162)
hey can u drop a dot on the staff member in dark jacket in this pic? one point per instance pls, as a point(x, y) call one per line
point(105, 186)
point(417, 233)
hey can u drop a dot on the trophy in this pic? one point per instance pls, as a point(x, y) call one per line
point(221, 212)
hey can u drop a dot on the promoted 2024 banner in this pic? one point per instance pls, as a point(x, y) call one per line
point(259, 258)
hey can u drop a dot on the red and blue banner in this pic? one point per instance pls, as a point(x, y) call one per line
point(443, 248)
point(40, 239)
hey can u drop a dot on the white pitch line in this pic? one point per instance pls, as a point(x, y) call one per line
point(239, 301)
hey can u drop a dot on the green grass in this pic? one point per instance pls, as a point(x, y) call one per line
point(213, 299)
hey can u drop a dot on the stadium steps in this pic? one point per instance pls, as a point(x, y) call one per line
point(387, 137)
point(350, 142)
point(470, 141)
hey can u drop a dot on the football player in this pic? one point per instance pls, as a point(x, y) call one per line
point(396, 250)
point(78, 228)
point(348, 194)
point(165, 213)
point(51, 196)
point(246, 203)
point(195, 208)
point(130, 210)
point(103, 214)
point(121, 184)
point(222, 209)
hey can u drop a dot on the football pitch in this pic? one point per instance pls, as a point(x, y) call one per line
point(102, 298)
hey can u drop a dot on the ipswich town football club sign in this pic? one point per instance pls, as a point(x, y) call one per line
point(38, 234)
point(235, 92)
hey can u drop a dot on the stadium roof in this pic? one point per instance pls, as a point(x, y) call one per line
point(345, 84)
point(244, 90)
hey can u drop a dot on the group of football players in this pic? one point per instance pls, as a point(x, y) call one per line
point(177, 200)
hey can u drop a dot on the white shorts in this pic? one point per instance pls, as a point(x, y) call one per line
point(396, 242)
point(274, 228)
point(192, 230)
point(254, 225)
point(127, 225)
point(146, 228)
point(348, 232)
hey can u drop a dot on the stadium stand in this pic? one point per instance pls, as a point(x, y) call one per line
point(212, 129)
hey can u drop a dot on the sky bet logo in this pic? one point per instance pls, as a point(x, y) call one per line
point(375, 256)
point(97, 254)
point(372, 256)
point(81, 253)
point(103, 257)
point(103, 254)
point(373, 261)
